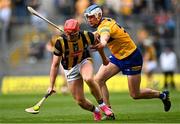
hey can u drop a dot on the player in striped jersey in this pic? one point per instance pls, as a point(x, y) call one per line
point(72, 50)
point(124, 57)
point(50, 48)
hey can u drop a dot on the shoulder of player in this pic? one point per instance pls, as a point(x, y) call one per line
point(107, 21)
point(62, 37)
point(59, 38)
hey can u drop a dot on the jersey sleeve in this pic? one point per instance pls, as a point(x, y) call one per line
point(105, 29)
point(58, 48)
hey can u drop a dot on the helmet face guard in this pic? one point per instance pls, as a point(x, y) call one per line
point(93, 10)
point(73, 36)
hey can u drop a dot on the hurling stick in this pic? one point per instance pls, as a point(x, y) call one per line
point(43, 99)
point(34, 12)
point(35, 109)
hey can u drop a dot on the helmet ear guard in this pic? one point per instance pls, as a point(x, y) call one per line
point(99, 16)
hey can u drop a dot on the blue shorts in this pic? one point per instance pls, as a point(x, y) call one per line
point(130, 65)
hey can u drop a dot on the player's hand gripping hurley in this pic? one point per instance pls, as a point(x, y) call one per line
point(35, 109)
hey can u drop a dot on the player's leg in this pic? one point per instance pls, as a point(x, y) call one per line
point(134, 88)
point(75, 84)
point(147, 93)
point(103, 74)
point(132, 68)
point(86, 71)
point(76, 89)
point(87, 66)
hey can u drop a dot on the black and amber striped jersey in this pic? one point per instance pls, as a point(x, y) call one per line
point(73, 52)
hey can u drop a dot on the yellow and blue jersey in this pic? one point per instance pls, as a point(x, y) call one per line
point(73, 52)
point(124, 53)
point(120, 43)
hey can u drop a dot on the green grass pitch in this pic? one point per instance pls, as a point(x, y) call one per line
point(63, 109)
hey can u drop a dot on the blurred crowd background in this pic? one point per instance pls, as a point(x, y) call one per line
point(24, 38)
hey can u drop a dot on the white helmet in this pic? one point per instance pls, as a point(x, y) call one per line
point(93, 10)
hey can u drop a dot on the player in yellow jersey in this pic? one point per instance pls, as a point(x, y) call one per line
point(72, 50)
point(124, 57)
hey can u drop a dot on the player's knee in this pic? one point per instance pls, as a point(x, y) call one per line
point(99, 80)
point(88, 79)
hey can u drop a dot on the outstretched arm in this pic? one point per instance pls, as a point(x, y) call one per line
point(53, 72)
point(100, 45)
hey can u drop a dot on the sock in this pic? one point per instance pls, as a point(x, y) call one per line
point(100, 101)
point(96, 110)
point(102, 104)
point(162, 96)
